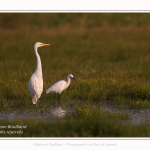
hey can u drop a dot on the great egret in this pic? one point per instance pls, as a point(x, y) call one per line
point(35, 84)
point(61, 85)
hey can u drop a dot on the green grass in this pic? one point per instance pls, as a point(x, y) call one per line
point(107, 53)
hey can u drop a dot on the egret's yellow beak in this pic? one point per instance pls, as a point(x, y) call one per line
point(45, 44)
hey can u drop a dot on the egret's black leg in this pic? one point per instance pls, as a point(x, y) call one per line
point(40, 108)
point(36, 110)
point(59, 99)
point(54, 95)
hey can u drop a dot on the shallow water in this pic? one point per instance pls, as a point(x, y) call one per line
point(137, 116)
point(17, 115)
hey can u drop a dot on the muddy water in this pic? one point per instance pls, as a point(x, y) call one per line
point(137, 116)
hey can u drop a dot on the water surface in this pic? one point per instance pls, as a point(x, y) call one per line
point(59, 111)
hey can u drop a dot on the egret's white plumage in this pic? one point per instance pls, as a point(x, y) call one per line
point(35, 84)
point(61, 85)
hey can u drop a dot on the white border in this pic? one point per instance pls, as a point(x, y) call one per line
point(75, 143)
point(74, 5)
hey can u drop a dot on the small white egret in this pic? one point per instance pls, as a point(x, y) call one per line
point(61, 85)
point(35, 84)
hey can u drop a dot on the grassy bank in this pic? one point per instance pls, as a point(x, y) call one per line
point(107, 53)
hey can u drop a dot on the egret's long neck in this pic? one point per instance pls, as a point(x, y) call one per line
point(68, 82)
point(39, 66)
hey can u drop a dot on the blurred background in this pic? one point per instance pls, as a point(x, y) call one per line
point(76, 20)
point(108, 54)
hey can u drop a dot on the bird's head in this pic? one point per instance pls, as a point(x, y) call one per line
point(71, 77)
point(39, 44)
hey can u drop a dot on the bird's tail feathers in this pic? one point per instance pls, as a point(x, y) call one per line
point(48, 90)
point(34, 99)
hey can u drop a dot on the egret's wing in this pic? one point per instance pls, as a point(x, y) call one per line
point(35, 87)
point(57, 87)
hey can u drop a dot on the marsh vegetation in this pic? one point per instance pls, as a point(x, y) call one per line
point(109, 56)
